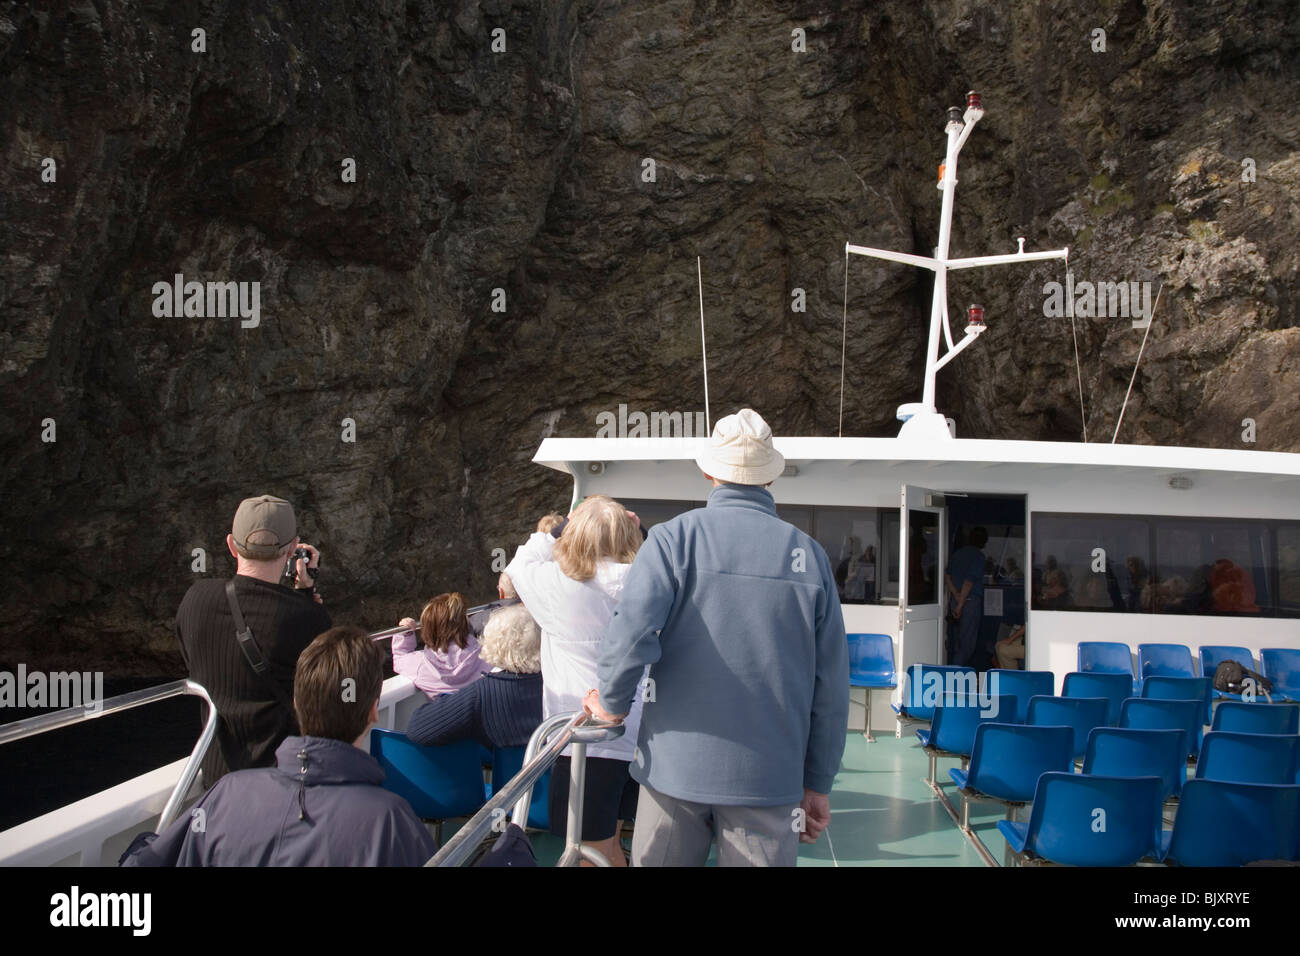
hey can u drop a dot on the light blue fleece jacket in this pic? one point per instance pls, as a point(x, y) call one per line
point(737, 613)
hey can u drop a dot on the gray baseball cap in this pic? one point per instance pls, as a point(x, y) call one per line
point(267, 514)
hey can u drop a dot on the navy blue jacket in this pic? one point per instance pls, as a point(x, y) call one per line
point(500, 709)
point(332, 813)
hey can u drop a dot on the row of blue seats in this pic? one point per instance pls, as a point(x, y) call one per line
point(925, 681)
point(1083, 820)
point(1016, 764)
point(956, 722)
point(1281, 665)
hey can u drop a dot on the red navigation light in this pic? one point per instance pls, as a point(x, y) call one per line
point(975, 316)
point(973, 101)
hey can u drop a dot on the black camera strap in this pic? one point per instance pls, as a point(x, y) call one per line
point(253, 653)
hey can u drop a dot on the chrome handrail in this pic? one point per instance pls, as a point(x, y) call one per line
point(392, 632)
point(577, 729)
point(399, 629)
point(68, 716)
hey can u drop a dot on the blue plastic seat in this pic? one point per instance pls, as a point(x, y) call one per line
point(1231, 824)
point(1116, 688)
point(440, 783)
point(1107, 657)
point(871, 665)
point(1212, 655)
point(1124, 752)
point(1245, 718)
point(1165, 660)
point(1158, 687)
point(1021, 685)
point(1005, 765)
point(926, 685)
point(1080, 714)
point(952, 732)
point(1281, 665)
point(1143, 713)
point(1089, 821)
point(1008, 759)
point(1248, 758)
point(506, 763)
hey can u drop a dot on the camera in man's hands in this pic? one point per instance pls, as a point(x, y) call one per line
point(289, 578)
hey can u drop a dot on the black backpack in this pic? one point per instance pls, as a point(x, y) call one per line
point(1231, 677)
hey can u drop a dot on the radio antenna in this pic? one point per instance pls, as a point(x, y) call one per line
point(704, 352)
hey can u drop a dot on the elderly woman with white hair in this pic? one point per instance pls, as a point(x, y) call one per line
point(503, 707)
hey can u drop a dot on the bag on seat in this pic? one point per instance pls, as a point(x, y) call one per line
point(1230, 677)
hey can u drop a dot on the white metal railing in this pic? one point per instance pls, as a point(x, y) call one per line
point(544, 747)
point(93, 831)
point(83, 827)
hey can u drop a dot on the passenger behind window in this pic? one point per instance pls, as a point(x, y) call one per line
point(1011, 649)
point(1139, 578)
point(449, 659)
point(1055, 592)
point(505, 707)
point(1232, 589)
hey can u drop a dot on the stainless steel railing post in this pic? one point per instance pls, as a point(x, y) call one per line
point(543, 749)
point(173, 807)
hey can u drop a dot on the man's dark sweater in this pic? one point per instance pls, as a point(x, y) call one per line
point(252, 722)
point(500, 709)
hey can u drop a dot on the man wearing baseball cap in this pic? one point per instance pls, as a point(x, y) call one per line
point(738, 616)
point(250, 678)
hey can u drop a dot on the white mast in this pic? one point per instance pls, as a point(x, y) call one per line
point(922, 419)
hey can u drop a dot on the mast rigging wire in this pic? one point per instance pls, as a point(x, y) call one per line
point(1078, 371)
point(704, 352)
point(844, 337)
point(1137, 363)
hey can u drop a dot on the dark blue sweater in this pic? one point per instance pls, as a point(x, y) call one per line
point(499, 709)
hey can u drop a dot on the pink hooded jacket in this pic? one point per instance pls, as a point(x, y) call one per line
point(436, 673)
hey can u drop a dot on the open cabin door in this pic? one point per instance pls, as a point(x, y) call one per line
point(922, 543)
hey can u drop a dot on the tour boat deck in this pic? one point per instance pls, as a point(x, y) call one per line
point(882, 813)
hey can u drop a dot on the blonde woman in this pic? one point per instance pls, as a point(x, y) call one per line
point(570, 581)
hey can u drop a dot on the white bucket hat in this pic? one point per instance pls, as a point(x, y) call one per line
point(741, 451)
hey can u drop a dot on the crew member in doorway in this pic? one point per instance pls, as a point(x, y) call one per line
point(965, 584)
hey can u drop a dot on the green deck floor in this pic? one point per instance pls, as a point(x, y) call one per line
point(882, 813)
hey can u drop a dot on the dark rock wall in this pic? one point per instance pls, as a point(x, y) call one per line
point(522, 171)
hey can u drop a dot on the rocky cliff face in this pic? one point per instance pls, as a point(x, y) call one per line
point(134, 149)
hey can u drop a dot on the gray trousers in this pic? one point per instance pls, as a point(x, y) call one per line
point(672, 832)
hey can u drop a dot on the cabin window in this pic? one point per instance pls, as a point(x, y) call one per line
point(1288, 570)
point(1090, 562)
point(653, 511)
point(1210, 567)
point(1165, 565)
point(852, 539)
point(861, 543)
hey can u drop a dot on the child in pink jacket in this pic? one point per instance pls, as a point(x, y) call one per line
point(449, 658)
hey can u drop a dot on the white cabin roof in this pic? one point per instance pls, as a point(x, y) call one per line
point(563, 453)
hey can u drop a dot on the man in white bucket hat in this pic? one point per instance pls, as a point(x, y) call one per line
point(744, 718)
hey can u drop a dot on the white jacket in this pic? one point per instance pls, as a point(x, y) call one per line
point(573, 616)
